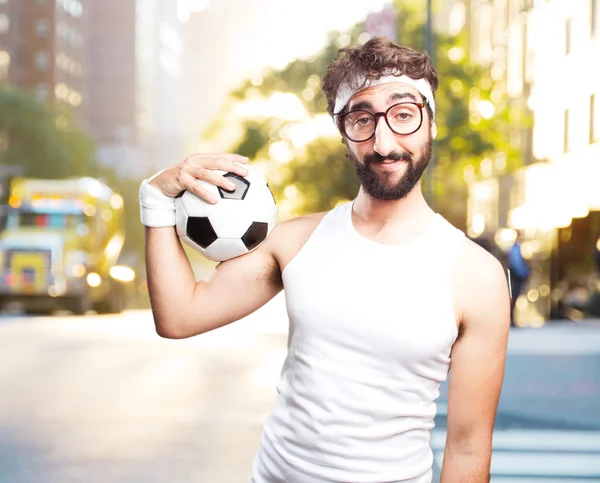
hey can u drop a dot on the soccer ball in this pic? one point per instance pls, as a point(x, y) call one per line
point(237, 224)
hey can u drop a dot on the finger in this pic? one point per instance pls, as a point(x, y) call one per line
point(230, 166)
point(224, 162)
point(213, 177)
point(227, 156)
point(191, 184)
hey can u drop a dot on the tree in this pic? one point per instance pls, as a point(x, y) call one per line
point(41, 139)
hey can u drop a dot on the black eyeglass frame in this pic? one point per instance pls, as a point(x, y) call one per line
point(340, 120)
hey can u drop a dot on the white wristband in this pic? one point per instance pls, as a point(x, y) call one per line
point(156, 209)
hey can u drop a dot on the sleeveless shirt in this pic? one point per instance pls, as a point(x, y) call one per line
point(370, 334)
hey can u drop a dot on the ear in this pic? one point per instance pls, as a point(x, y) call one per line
point(433, 130)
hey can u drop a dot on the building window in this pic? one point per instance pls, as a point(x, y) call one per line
point(42, 28)
point(568, 37)
point(41, 60)
point(4, 23)
point(566, 132)
point(594, 124)
point(593, 17)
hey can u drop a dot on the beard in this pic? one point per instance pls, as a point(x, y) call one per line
point(379, 185)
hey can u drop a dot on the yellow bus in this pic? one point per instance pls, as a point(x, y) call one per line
point(60, 247)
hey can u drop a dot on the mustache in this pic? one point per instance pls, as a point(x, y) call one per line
point(393, 156)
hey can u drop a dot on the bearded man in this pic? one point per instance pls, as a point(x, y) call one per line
point(384, 296)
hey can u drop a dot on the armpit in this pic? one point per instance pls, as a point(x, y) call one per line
point(272, 274)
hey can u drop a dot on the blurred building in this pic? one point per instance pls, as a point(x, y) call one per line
point(41, 49)
point(111, 71)
point(134, 60)
point(159, 81)
point(540, 56)
point(205, 71)
point(221, 45)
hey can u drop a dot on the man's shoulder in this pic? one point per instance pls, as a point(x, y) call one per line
point(480, 281)
point(289, 236)
point(477, 271)
point(476, 263)
point(297, 228)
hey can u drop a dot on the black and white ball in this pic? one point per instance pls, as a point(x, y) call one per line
point(237, 224)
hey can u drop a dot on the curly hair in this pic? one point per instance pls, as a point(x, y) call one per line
point(376, 58)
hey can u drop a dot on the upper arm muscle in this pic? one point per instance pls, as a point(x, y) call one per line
point(241, 285)
point(478, 356)
point(235, 288)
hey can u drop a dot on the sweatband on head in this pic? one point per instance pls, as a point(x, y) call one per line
point(348, 88)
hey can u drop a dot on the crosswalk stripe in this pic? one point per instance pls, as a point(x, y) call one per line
point(541, 464)
point(534, 440)
point(518, 479)
point(535, 453)
point(441, 408)
point(547, 464)
point(555, 349)
point(553, 341)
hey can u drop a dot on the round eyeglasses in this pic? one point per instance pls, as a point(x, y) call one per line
point(404, 118)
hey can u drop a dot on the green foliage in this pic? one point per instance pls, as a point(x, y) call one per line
point(321, 175)
point(319, 171)
point(42, 140)
point(255, 137)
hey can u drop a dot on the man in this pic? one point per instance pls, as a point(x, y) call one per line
point(519, 273)
point(383, 296)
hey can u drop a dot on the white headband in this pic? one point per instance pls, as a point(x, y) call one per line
point(348, 89)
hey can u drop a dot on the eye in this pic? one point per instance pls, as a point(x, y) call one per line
point(359, 121)
point(363, 121)
point(403, 116)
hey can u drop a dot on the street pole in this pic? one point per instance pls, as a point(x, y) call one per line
point(429, 48)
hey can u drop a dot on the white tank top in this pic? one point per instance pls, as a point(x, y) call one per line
point(371, 328)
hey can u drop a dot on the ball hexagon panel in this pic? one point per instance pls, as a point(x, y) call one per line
point(226, 248)
point(241, 187)
point(231, 219)
point(180, 216)
point(256, 192)
point(192, 205)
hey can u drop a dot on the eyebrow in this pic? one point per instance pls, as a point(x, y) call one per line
point(396, 96)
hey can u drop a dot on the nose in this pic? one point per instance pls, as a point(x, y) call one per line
point(385, 138)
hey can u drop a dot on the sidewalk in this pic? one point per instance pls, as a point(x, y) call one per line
point(552, 376)
point(557, 338)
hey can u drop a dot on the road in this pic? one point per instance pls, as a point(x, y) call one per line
point(102, 399)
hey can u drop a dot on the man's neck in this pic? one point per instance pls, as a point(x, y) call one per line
point(409, 211)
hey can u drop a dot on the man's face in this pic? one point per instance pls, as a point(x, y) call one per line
point(389, 165)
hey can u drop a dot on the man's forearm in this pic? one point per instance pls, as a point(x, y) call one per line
point(171, 280)
point(467, 467)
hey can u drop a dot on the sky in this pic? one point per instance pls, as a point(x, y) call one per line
point(300, 25)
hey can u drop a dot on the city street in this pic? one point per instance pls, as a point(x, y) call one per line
point(102, 399)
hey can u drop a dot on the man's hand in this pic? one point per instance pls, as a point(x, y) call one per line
point(184, 175)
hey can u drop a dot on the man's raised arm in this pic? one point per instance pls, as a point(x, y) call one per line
point(181, 306)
